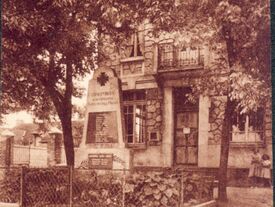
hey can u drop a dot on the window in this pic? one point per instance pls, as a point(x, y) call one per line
point(134, 115)
point(248, 127)
point(135, 46)
point(166, 54)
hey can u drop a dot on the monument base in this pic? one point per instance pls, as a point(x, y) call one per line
point(103, 158)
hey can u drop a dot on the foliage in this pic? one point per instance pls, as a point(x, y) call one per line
point(152, 189)
point(238, 35)
point(167, 189)
point(10, 185)
point(47, 45)
point(98, 190)
point(46, 186)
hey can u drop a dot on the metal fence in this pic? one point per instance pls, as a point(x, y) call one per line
point(62, 186)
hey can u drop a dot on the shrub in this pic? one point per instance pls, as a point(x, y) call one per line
point(10, 185)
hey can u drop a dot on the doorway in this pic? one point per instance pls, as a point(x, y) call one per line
point(186, 128)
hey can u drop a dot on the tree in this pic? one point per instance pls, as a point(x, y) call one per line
point(50, 52)
point(238, 31)
point(45, 46)
point(49, 43)
point(245, 29)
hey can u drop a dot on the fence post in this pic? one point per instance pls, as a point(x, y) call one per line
point(22, 187)
point(181, 190)
point(123, 189)
point(71, 186)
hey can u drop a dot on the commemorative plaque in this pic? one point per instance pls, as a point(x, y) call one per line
point(100, 161)
point(102, 127)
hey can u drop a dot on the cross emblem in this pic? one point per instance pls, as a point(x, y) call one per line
point(102, 79)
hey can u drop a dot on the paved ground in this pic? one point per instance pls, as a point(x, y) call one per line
point(8, 205)
point(248, 197)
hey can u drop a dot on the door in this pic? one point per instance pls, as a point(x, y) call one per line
point(186, 138)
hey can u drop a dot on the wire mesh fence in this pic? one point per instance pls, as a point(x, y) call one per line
point(63, 186)
point(10, 185)
point(46, 186)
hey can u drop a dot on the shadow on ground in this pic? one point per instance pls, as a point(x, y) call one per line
point(247, 197)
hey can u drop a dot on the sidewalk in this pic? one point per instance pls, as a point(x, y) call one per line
point(9, 204)
point(247, 197)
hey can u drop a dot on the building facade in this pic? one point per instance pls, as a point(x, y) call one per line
point(158, 124)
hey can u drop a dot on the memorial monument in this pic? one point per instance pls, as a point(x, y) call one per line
point(102, 145)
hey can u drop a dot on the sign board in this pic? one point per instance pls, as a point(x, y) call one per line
point(102, 127)
point(186, 130)
point(100, 161)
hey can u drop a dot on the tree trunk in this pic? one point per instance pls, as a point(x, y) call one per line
point(227, 122)
point(63, 105)
point(68, 138)
point(66, 119)
point(225, 140)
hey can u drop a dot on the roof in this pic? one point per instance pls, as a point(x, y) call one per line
point(54, 130)
point(7, 133)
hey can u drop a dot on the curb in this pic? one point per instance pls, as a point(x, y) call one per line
point(211, 203)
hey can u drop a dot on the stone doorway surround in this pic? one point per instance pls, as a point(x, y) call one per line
point(169, 124)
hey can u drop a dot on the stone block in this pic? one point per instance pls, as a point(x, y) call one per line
point(149, 115)
point(151, 122)
point(151, 108)
point(149, 55)
point(150, 128)
point(159, 118)
point(158, 111)
point(158, 105)
point(268, 133)
point(268, 126)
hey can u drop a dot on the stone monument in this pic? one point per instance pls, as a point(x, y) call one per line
point(102, 145)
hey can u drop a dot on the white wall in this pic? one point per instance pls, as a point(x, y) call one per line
point(34, 156)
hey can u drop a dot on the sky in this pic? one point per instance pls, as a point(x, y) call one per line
point(11, 120)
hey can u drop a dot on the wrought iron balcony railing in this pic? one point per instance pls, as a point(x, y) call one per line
point(171, 57)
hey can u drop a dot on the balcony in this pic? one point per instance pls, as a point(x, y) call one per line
point(174, 58)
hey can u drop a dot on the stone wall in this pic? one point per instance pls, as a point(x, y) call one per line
point(152, 155)
point(110, 56)
point(154, 114)
point(216, 115)
point(113, 55)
